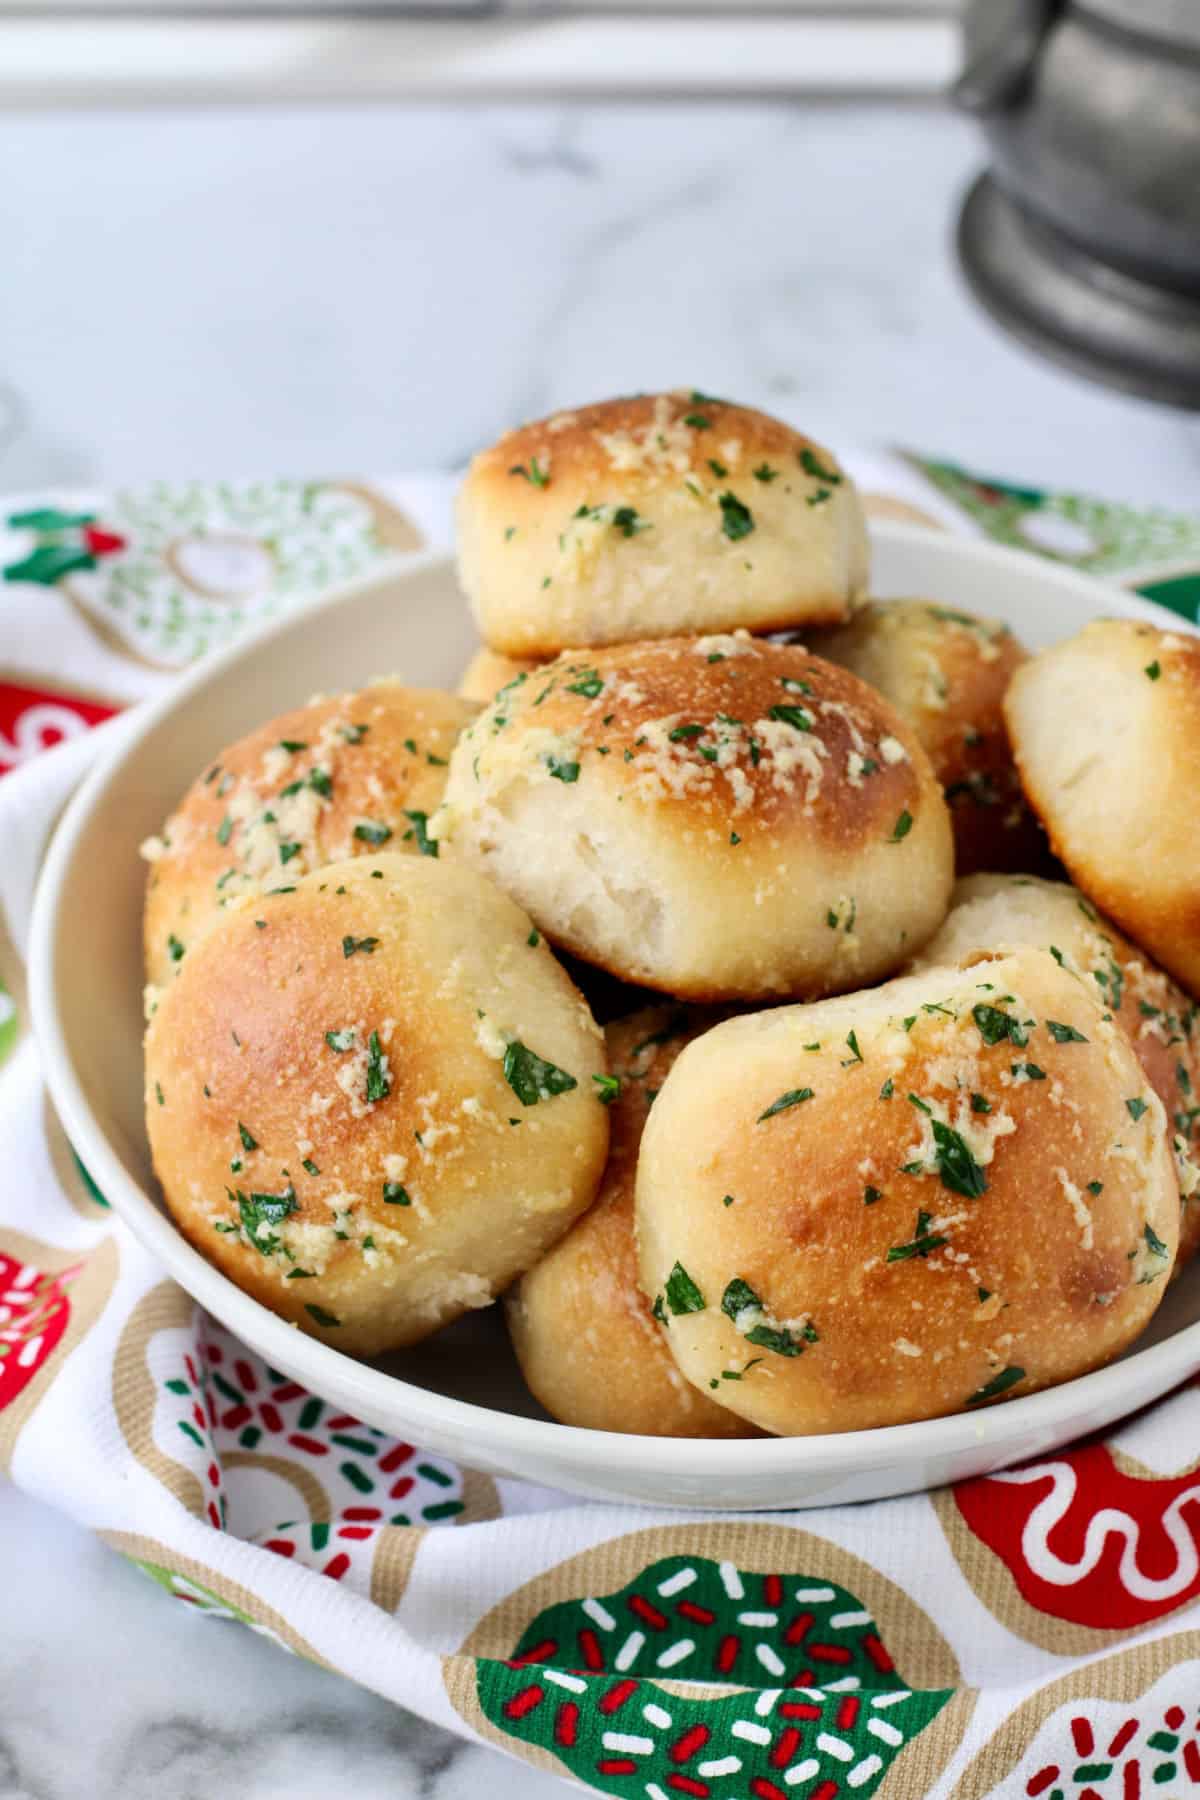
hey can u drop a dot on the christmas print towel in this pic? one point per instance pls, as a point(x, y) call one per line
point(1031, 1633)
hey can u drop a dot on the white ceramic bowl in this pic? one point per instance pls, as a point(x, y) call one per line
point(460, 1393)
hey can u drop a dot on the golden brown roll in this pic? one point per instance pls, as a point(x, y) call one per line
point(909, 1201)
point(993, 912)
point(370, 1098)
point(338, 777)
point(946, 671)
point(719, 817)
point(488, 671)
point(586, 1339)
point(652, 516)
point(1106, 733)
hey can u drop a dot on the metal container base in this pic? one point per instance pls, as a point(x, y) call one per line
point(1097, 320)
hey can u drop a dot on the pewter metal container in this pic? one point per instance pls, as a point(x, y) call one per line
point(1086, 233)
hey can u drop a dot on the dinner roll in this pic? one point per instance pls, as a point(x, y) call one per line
point(645, 517)
point(487, 671)
point(585, 1337)
point(370, 1097)
point(1106, 733)
point(907, 1201)
point(946, 671)
point(338, 777)
point(989, 912)
point(716, 816)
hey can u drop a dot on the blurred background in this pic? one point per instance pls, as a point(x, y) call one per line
point(300, 237)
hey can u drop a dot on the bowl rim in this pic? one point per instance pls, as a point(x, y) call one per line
point(510, 1438)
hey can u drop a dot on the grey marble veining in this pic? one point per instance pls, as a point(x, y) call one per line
point(337, 289)
point(230, 292)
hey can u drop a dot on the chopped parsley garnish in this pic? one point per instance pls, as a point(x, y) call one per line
point(628, 521)
point(589, 685)
point(999, 1384)
point(175, 948)
point(354, 734)
point(265, 1210)
point(340, 1040)
point(1028, 1071)
point(319, 1315)
point(995, 1025)
point(697, 421)
point(727, 1200)
point(734, 839)
point(811, 464)
point(367, 831)
point(531, 1077)
point(888, 1089)
point(718, 468)
point(309, 1166)
point(683, 1296)
point(794, 685)
point(902, 827)
point(779, 1339)
point(737, 521)
point(158, 1093)
point(224, 829)
point(1135, 1108)
point(351, 945)
point(287, 851)
point(980, 1103)
point(535, 475)
point(607, 1088)
point(1095, 1187)
point(765, 472)
point(419, 831)
point(1064, 1034)
point(1154, 670)
point(682, 734)
point(795, 716)
point(856, 1055)
point(321, 782)
point(739, 1298)
point(292, 745)
point(871, 1195)
point(396, 1194)
point(956, 1165)
point(657, 1309)
point(562, 771)
point(534, 938)
point(793, 1097)
point(378, 1084)
point(922, 1242)
point(921, 1105)
point(1154, 1244)
point(249, 1142)
point(985, 1295)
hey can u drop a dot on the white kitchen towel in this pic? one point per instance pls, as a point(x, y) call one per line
point(1036, 1632)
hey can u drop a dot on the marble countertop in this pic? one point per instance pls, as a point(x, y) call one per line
point(332, 290)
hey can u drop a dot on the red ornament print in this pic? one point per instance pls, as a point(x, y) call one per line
point(34, 719)
point(34, 1313)
point(1088, 1543)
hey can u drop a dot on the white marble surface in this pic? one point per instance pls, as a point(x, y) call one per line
point(334, 290)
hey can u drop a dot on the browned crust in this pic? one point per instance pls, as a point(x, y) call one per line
point(1152, 896)
point(971, 660)
point(569, 444)
point(1061, 1299)
point(673, 679)
point(397, 765)
point(240, 1040)
point(587, 1287)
